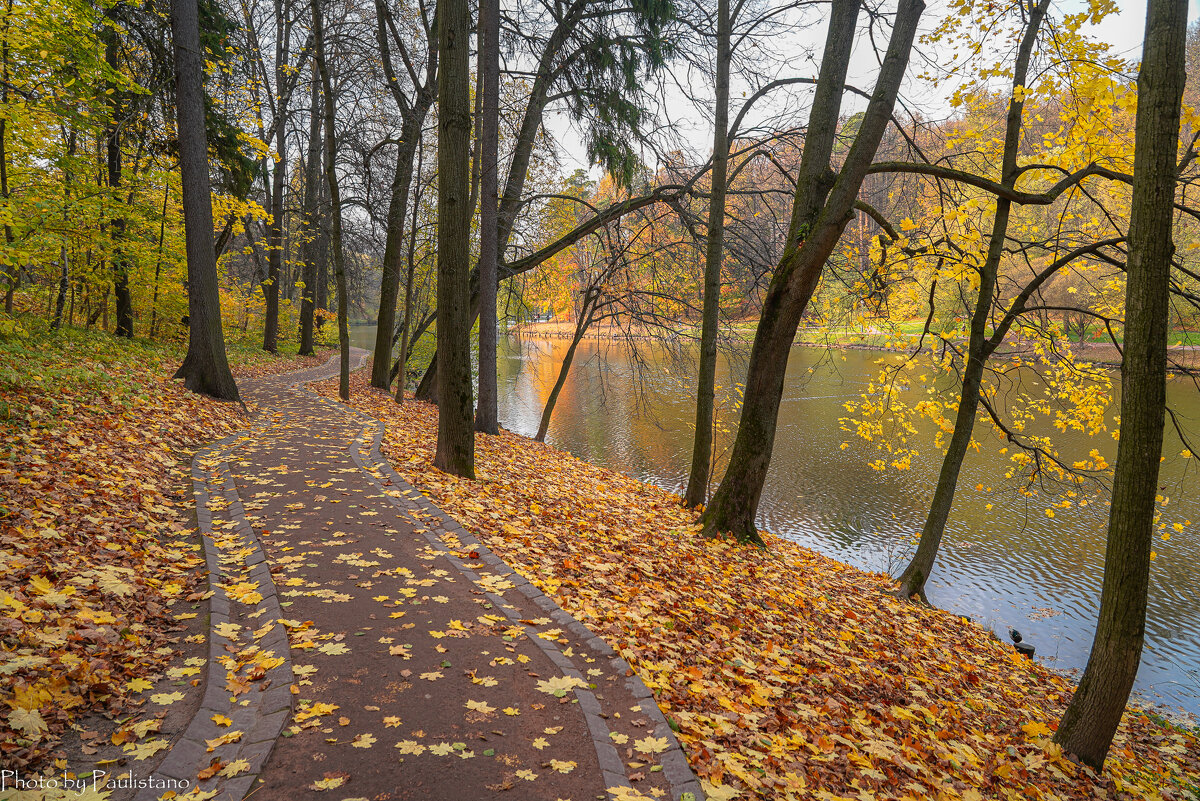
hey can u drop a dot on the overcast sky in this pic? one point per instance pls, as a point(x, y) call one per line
point(1123, 30)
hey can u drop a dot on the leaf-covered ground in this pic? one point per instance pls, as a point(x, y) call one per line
point(95, 539)
point(789, 675)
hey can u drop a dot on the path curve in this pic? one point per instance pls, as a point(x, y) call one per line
point(426, 667)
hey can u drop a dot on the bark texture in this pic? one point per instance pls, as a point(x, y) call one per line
point(112, 146)
point(413, 112)
point(487, 412)
point(456, 437)
point(697, 486)
point(1090, 721)
point(335, 202)
point(205, 368)
point(311, 226)
point(822, 207)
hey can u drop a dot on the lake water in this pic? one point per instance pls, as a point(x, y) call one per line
point(1010, 566)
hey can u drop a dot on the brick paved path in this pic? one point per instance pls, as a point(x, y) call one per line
point(425, 667)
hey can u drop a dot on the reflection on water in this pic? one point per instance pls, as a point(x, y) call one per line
point(1007, 566)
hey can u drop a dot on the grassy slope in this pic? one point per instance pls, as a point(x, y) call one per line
point(96, 537)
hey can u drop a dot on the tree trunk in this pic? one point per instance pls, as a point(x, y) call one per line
point(456, 439)
point(1090, 721)
point(514, 184)
point(335, 204)
point(817, 222)
point(487, 413)
point(413, 111)
point(913, 578)
point(64, 281)
point(581, 326)
point(697, 486)
point(310, 232)
point(12, 272)
point(427, 388)
point(64, 275)
point(162, 233)
point(402, 375)
point(322, 301)
point(205, 368)
point(274, 254)
point(393, 251)
point(278, 183)
point(112, 136)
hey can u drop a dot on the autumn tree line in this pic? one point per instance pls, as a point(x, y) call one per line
point(200, 170)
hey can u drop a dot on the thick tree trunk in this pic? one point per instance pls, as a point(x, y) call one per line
point(311, 229)
point(1090, 721)
point(912, 579)
point(697, 486)
point(335, 203)
point(514, 184)
point(205, 368)
point(456, 437)
point(487, 413)
point(735, 503)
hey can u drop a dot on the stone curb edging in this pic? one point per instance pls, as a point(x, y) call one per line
point(262, 711)
point(676, 770)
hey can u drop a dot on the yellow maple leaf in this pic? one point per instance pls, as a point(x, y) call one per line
point(480, 706)
point(234, 768)
point(28, 721)
point(224, 739)
point(166, 699)
point(1037, 729)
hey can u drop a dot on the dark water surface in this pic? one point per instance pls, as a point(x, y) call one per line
point(1007, 566)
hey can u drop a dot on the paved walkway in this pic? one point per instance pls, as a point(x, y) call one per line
point(425, 667)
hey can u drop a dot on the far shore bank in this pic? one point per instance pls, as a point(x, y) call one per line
point(1182, 357)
